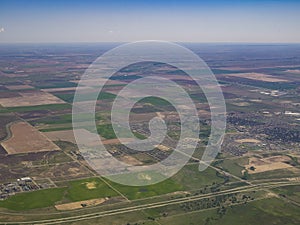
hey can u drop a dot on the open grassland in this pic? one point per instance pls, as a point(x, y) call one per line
point(33, 200)
point(90, 188)
point(133, 192)
point(267, 211)
point(233, 166)
point(73, 191)
point(192, 179)
point(290, 192)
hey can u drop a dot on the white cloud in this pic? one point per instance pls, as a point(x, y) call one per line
point(1, 29)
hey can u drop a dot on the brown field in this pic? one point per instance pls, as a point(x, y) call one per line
point(144, 117)
point(131, 160)
point(92, 140)
point(80, 204)
point(268, 164)
point(68, 135)
point(63, 171)
point(30, 98)
point(162, 147)
point(65, 89)
point(203, 112)
point(247, 140)
point(18, 87)
point(257, 76)
point(293, 71)
point(117, 141)
point(25, 138)
point(61, 135)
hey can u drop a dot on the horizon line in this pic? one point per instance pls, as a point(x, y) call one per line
point(123, 42)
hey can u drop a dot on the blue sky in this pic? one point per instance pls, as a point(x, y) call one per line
point(184, 21)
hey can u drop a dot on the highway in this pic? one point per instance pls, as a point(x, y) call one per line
point(122, 210)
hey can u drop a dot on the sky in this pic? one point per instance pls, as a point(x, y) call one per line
point(264, 21)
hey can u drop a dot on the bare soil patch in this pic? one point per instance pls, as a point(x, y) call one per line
point(268, 164)
point(18, 87)
point(257, 76)
point(247, 140)
point(80, 204)
point(162, 147)
point(91, 185)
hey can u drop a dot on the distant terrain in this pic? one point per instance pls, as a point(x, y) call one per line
point(44, 178)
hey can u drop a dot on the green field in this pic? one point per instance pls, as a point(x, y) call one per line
point(66, 118)
point(155, 101)
point(84, 189)
point(107, 131)
point(69, 97)
point(78, 190)
point(233, 166)
point(33, 200)
point(3, 110)
point(71, 191)
point(133, 192)
point(192, 179)
point(52, 84)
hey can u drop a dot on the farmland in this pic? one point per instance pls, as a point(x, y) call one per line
point(254, 178)
point(18, 142)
